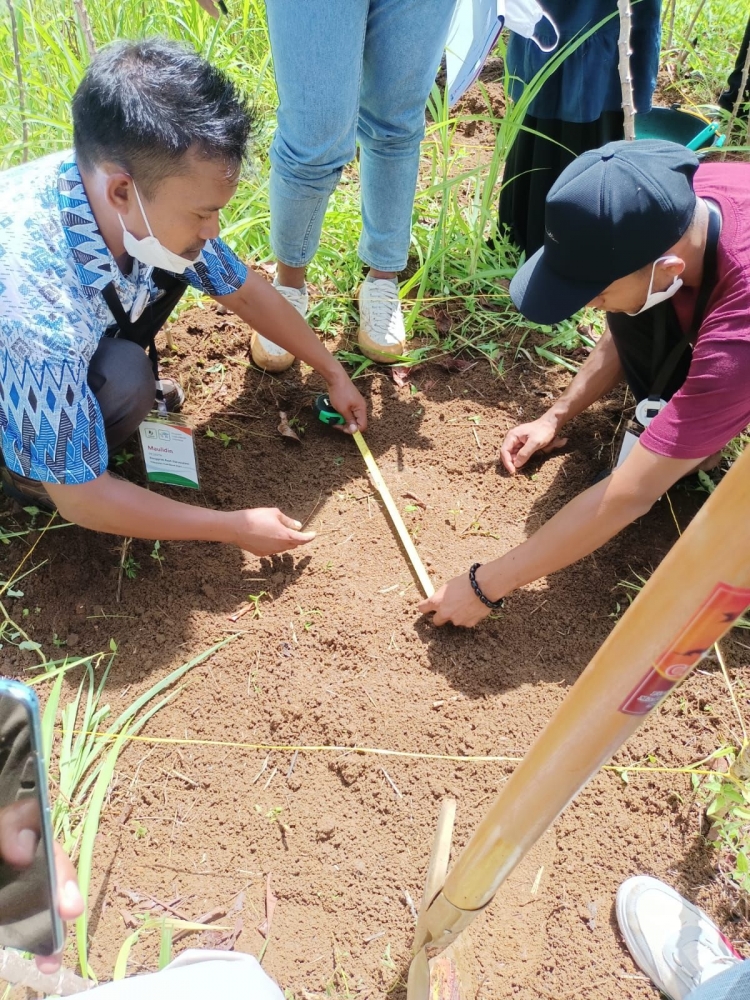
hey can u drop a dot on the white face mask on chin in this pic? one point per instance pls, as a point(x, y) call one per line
point(654, 298)
point(150, 251)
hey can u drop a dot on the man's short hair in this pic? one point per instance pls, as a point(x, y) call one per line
point(143, 105)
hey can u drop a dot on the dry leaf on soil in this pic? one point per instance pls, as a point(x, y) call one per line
point(401, 375)
point(265, 926)
point(285, 430)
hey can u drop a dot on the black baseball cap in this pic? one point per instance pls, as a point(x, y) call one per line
point(611, 212)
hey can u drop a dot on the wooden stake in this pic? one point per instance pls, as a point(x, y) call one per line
point(626, 80)
point(696, 594)
point(398, 524)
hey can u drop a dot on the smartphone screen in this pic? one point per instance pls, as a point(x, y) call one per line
point(28, 911)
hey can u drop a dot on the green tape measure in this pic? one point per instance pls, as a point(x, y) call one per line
point(326, 412)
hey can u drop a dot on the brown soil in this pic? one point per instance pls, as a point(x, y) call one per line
point(340, 657)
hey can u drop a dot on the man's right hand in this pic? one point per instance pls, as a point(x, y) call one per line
point(264, 531)
point(527, 439)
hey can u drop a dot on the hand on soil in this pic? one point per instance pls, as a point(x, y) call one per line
point(264, 531)
point(350, 404)
point(525, 440)
point(455, 602)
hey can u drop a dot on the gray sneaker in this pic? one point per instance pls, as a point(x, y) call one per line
point(676, 944)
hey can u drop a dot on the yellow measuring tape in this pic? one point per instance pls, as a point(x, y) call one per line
point(398, 524)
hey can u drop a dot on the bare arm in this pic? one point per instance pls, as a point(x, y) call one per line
point(121, 508)
point(584, 524)
point(260, 305)
point(598, 375)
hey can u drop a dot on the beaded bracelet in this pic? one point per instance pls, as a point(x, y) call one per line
point(478, 590)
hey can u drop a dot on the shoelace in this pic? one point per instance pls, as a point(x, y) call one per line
point(697, 974)
point(294, 296)
point(384, 304)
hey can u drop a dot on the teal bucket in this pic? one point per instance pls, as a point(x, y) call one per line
point(686, 127)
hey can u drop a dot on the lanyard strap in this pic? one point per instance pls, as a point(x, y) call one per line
point(126, 326)
point(708, 281)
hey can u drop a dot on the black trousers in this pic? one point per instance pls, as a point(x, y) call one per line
point(122, 379)
point(536, 161)
point(642, 356)
point(729, 98)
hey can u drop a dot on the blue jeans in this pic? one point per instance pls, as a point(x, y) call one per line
point(734, 984)
point(350, 71)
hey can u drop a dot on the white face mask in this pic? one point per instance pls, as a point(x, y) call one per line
point(654, 298)
point(522, 16)
point(150, 251)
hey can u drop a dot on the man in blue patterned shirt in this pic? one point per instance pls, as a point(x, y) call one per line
point(96, 247)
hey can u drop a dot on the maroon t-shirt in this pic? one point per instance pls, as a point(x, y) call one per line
point(713, 404)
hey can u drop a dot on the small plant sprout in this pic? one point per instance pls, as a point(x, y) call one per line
point(130, 566)
point(227, 440)
point(122, 457)
point(156, 554)
point(308, 617)
point(223, 437)
point(255, 600)
point(273, 815)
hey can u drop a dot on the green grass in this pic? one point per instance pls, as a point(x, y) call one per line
point(453, 278)
point(704, 49)
point(81, 762)
point(452, 267)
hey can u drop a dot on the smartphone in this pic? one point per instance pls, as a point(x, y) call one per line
point(29, 918)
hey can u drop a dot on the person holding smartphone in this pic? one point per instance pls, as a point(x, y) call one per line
point(38, 884)
point(97, 246)
point(19, 837)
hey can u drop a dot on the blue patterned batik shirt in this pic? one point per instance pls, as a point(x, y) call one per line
point(53, 267)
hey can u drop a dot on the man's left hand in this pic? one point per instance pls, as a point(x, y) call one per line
point(455, 602)
point(349, 403)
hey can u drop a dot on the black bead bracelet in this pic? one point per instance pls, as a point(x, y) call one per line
point(495, 605)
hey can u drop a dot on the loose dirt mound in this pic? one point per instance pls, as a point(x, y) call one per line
point(339, 657)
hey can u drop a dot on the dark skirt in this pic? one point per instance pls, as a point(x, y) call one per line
point(534, 164)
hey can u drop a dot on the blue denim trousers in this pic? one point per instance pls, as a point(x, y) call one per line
point(731, 985)
point(348, 72)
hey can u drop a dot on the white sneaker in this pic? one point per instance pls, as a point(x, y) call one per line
point(676, 944)
point(381, 322)
point(268, 355)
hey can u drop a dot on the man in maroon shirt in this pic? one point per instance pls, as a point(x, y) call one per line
point(662, 244)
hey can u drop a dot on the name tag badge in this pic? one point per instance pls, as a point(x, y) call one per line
point(647, 409)
point(169, 450)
